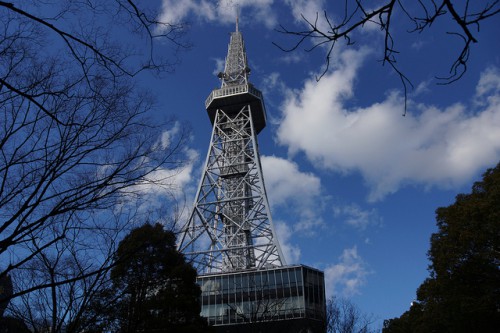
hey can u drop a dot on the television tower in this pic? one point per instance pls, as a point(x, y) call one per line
point(230, 227)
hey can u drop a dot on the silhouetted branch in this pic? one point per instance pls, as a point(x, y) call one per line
point(76, 144)
point(355, 19)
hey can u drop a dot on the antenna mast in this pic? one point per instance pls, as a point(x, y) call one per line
point(237, 8)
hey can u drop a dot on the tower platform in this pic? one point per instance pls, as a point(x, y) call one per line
point(232, 98)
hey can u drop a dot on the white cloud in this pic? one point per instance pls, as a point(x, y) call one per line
point(307, 9)
point(166, 136)
point(168, 183)
point(418, 45)
point(171, 181)
point(299, 192)
point(356, 217)
point(347, 276)
point(290, 251)
point(422, 88)
point(219, 66)
point(285, 182)
point(430, 146)
point(224, 11)
point(292, 58)
point(314, 12)
point(167, 186)
point(273, 85)
point(488, 88)
point(272, 81)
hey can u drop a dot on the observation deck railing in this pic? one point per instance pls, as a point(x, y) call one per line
point(232, 90)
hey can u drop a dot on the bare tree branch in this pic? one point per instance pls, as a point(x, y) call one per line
point(461, 14)
point(344, 316)
point(76, 144)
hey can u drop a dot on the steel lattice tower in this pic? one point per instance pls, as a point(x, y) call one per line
point(230, 227)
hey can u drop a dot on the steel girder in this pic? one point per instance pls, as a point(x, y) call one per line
point(230, 226)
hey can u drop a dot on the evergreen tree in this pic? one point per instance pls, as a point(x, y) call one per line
point(152, 288)
point(462, 293)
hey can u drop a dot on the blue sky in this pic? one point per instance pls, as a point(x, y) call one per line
point(352, 183)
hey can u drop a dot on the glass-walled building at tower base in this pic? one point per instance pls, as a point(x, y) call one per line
point(282, 299)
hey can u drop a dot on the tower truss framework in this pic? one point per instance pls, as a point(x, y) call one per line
point(230, 226)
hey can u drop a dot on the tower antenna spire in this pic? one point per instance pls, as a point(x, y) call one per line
point(237, 17)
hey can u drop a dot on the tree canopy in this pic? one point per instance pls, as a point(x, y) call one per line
point(152, 288)
point(462, 293)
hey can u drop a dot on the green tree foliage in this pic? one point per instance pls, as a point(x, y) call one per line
point(462, 293)
point(152, 288)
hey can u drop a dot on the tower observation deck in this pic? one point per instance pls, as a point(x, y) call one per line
point(229, 236)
